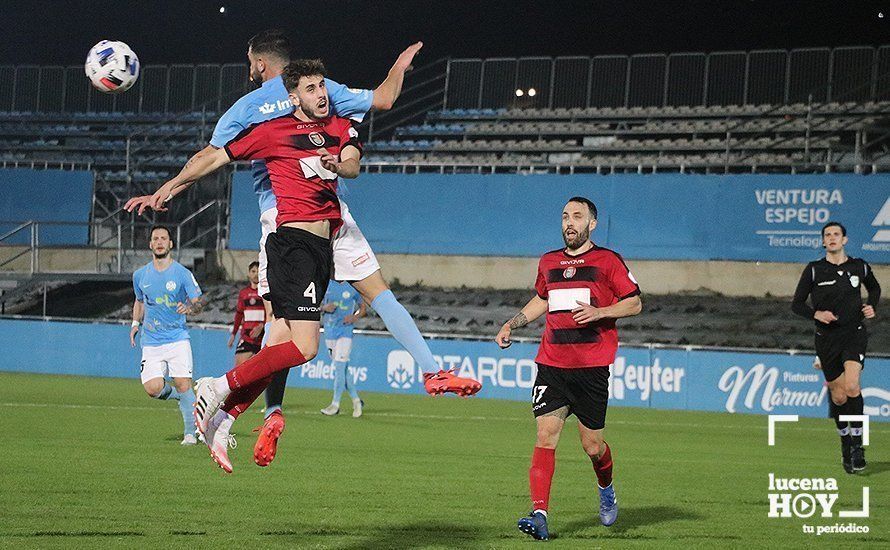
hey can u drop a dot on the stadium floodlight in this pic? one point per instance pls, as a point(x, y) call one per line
point(532, 92)
point(519, 93)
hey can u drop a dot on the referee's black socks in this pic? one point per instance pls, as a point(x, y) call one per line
point(855, 405)
point(834, 411)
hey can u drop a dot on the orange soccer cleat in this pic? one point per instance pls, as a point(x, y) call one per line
point(445, 381)
point(267, 441)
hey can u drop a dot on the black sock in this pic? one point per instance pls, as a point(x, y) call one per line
point(834, 411)
point(275, 390)
point(855, 405)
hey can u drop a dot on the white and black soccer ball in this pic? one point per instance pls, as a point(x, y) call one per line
point(112, 66)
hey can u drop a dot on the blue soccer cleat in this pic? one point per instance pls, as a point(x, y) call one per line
point(535, 524)
point(608, 505)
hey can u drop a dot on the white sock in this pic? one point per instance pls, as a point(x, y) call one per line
point(221, 386)
point(540, 511)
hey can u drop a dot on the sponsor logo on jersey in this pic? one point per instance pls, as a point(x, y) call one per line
point(361, 259)
point(267, 108)
point(317, 139)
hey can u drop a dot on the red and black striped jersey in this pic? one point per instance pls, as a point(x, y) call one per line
point(598, 277)
point(304, 190)
point(249, 313)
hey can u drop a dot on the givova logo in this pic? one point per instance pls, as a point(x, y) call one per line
point(400, 369)
point(880, 242)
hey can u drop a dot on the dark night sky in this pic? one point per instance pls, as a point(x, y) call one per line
point(358, 39)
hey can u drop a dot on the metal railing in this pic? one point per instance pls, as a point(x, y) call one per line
point(652, 80)
point(111, 242)
point(427, 91)
point(159, 89)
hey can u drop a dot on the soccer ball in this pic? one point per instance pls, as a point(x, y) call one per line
point(112, 66)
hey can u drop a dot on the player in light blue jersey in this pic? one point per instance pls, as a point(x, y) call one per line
point(342, 307)
point(166, 291)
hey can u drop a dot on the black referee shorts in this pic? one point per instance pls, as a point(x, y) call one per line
point(835, 347)
point(300, 266)
point(584, 391)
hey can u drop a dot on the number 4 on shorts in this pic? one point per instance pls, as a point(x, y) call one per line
point(310, 291)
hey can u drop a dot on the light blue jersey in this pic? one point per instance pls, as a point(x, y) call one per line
point(161, 291)
point(271, 101)
point(348, 301)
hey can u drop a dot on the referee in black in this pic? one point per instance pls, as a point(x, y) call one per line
point(834, 284)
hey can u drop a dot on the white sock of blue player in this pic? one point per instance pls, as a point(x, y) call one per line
point(400, 324)
point(187, 408)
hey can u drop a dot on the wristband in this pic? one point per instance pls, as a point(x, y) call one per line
point(135, 324)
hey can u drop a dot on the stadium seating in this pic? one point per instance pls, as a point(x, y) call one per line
point(818, 137)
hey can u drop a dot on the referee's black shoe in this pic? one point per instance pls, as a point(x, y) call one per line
point(847, 453)
point(858, 456)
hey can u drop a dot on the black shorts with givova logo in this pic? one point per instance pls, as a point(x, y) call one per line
point(300, 267)
point(837, 346)
point(585, 392)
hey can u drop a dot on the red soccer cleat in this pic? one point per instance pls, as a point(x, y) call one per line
point(267, 441)
point(445, 381)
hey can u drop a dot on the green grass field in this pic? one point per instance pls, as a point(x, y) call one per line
point(95, 463)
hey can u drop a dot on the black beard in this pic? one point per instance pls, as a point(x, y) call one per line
point(257, 79)
point(314, 114)
point(161, 256)
point(578, 241)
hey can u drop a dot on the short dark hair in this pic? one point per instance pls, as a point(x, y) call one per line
point(270, 42)
point(299, 68)
point(835, 224)
point(252, 265)
point(588, 202)
point(157, 227)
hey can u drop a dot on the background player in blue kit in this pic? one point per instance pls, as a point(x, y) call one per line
point(342, 306)
point(166, 291)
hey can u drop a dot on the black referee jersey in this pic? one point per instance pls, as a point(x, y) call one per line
point(836, 288)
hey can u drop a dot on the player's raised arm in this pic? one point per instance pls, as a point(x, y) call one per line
point(203, 163)
point(388, 91)
point(535, 307)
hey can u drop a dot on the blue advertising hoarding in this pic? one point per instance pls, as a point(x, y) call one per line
point(750, 217)
point(652, 377)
